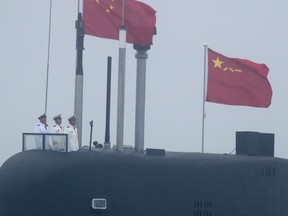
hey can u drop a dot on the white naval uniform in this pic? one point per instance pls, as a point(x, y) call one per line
point(58, 142)
point(72, 138)
point(41, 128)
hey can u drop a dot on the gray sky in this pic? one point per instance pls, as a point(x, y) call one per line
point(254, 30)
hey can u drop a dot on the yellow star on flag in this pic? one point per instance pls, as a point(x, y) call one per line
point(217, 63)
point(108, 8)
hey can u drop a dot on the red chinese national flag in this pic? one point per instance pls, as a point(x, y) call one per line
point(236, 81)
point(102, 18)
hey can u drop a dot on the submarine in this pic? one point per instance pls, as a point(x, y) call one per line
point(87, 182)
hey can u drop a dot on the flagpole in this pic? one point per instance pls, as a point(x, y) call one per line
point(123, 13)
point(79, 77)
point(121, 84)
point(204, 95)
point(78, 8)
point(48, 58)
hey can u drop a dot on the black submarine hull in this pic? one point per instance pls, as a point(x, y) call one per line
point(46, 183)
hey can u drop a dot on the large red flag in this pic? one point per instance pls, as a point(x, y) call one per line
point(102, 18)
point(236, 81)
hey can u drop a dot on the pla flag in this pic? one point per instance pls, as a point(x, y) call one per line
point(236, 81)
point(103, 18)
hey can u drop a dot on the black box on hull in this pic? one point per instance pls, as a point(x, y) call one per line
point(254, 143)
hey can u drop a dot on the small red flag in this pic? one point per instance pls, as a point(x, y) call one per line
point(102, 18)
point(236, 81)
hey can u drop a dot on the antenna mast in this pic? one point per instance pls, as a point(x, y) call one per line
point(48, 57)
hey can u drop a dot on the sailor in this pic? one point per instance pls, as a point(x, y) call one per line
point(58, 142)
point(42, 128)
point(72, 132)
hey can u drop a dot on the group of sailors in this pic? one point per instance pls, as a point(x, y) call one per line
point(56, 142)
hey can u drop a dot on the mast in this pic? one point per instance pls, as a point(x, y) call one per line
point(121, 89)
point(121, 84)
point(78, 101)
point(108, 99)
point(48, 57)
point(141, 57)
